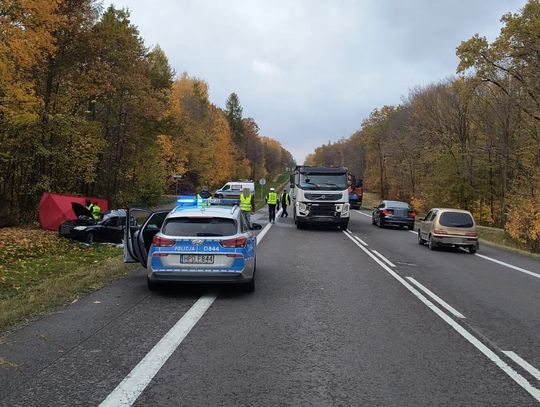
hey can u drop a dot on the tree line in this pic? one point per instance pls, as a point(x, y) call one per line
point(470, 142)
point(87, 108)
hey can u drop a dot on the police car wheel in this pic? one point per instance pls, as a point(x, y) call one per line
point(151, 285)
point(248, 287)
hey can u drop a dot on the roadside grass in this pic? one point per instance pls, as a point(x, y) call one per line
point(489, 235)
point(38, 269)
point(260, 191)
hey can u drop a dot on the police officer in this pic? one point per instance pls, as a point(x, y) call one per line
point(247, 203)
point(96, 211)
point(88, 205)
point(285, 200)
point(271, 200)
point(202, 196)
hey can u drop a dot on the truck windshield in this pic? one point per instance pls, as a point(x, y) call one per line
point(323, 181)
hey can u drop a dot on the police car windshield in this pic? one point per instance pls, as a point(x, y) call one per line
point(207, 226)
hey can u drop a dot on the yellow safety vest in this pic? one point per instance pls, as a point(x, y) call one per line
point(271, 198)
point(245, 203)
point(96, 212)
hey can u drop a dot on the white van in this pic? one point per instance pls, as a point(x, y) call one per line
point(233, 189)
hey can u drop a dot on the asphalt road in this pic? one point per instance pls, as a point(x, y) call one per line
point(331, 323)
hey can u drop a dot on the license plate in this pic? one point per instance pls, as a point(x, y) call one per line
point(197, 259)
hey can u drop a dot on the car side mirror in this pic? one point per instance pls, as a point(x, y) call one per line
point(256, 226)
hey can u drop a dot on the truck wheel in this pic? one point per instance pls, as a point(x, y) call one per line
point(299, 225)
point(344, 226)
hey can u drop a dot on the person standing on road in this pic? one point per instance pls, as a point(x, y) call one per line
point(285, 200)
point(271, 200)
point(247, 203)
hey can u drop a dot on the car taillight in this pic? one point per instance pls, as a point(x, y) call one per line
point(159, 241)
point(412, 214)
point(440, 232)
point(472, 234)
point(388, 212)
point(238, 242)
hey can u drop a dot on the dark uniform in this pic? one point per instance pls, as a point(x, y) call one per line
point(285, 200)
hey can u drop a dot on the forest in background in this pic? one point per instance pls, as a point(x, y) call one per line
point(469, 142)
point(87, 108)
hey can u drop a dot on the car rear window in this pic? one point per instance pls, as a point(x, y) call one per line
point(209, 226)
point(456, 220)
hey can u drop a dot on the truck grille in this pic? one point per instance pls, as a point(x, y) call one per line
point(323, 209)
point(323, 197)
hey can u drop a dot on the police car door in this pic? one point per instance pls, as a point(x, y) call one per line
point(143, 225)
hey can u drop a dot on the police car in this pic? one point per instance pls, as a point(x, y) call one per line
point(201, 241)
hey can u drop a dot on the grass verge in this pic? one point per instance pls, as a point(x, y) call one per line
point(38, 269)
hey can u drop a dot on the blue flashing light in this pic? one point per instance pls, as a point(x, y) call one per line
point(192, 201)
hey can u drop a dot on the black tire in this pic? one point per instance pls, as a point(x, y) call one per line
point(410, 227)
point(373, 220)
point(421, 241)
point(248, 287)
point(380, 223)
point(90, 238)
point(152, 286)
point(472, 249)
point(343, 226)
point(299, 225)
point(431, 244)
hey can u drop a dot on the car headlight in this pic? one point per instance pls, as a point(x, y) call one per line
point(79, 228)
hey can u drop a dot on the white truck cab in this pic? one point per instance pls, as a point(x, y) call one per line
point(233, 189)
point(320, 196)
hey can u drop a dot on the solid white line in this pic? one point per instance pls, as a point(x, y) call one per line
point(523, 363)
point(413, 231)
point(360, 240)
point(384, 258)
point(136, 381)
point(129, 389)
point(448, 307)
point(519, 379)
point(362, 213)
point(502, 263)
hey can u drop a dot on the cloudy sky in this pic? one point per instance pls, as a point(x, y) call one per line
point(310, 71)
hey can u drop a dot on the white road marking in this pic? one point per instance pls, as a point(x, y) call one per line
point(129, 389)
point(136, 381)
point(502, 263)
point(360, 240)
point(362, 213)
point(448, 307)
point(519, 379)
point(413, 231)
point(523, 363)
point(384, 258)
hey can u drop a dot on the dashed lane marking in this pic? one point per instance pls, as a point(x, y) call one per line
point(505, 367)
point(384, 258)
point(438, 299)
point(523, 363)
point(360, 240)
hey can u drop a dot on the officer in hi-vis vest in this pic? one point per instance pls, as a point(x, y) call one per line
point(247, 203)
point(271, 200)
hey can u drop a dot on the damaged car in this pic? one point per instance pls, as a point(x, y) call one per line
point(85, 229)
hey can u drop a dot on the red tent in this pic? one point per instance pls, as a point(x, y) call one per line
point(56, 208)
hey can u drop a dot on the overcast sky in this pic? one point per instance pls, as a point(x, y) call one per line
point(310, 71)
